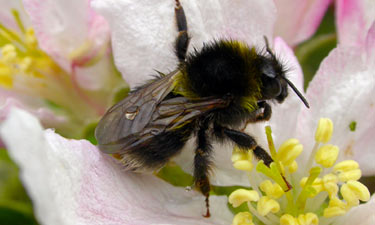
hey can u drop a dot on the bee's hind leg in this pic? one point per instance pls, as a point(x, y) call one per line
point(182, 40)
point(202, 164)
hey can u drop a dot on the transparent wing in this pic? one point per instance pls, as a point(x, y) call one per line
point(169, 115)
point(132, 114)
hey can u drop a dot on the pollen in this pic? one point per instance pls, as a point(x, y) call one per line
point(282, 193)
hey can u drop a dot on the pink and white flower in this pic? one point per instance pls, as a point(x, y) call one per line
point(70, 182)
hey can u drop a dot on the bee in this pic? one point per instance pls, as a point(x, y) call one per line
point(212, 93)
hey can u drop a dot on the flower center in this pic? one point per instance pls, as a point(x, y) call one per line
point(322, 191)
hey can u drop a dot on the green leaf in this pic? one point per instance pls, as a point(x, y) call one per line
point(12, 216)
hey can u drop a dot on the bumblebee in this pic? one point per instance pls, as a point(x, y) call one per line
point(212, 94)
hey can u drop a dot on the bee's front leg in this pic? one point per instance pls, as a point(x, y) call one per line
point(243, 141)
point(266, 114)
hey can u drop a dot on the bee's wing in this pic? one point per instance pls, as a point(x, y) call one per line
point(169, 115)
point(133, 113)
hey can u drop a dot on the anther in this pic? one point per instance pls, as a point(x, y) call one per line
point(243, 218)
point(308, 219)
point(289, 151)
point(242, 160)
point(353, 191)
point(271, 190)
point(324, 131)
point(327, 155)
point(240, 196)
point(266, 205)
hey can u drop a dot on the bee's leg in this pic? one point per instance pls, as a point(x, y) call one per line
point(266, 114)
point(202, 164)
point(182, 40)
point(244, 141)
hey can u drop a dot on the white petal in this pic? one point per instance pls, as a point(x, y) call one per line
point(143, 32)
point(343, 89)
point(70, 182)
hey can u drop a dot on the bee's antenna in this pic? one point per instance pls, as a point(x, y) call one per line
point(303, 99)
point(268, 49)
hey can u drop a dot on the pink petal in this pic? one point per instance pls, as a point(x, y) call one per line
point(298, 19)
point(71, 182)
point(362, 214)
point(62, 27)
point(343, 89)
point(284, 116)
point(354, 17)
point(143, 32)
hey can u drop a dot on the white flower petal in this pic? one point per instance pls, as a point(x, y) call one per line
point(297, 20)
point(143, 32)
point(71, 182)
point(362, 214)
point(343, 89)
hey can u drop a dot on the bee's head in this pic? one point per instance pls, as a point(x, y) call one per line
point(274, 82)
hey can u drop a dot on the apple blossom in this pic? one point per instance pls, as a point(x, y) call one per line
point(56, 81)
point(72, 183)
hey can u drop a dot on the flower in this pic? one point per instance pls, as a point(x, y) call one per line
point(71, 182)
point(288, 193)
point(47, 63)
point(298, 20)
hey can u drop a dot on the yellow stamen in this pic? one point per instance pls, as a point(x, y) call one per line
point(327, 155)
point(336, 207)
point(350, 175)
point(8, 53)
point(353, 191)
point(294, 208)
point(330, 184)
point(243, 218)
point(240, 196)
point(242, 160)
point(324, 131)
point(289, 151)
point(347, 170)
point(267, 205)
point(346, 166)
point(308, 219)
point(317, 185)
point(271, 190)
point(30, 39)
point(287, 219)
point(293, 167)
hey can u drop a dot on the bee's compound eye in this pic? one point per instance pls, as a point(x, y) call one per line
point(271, 87)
